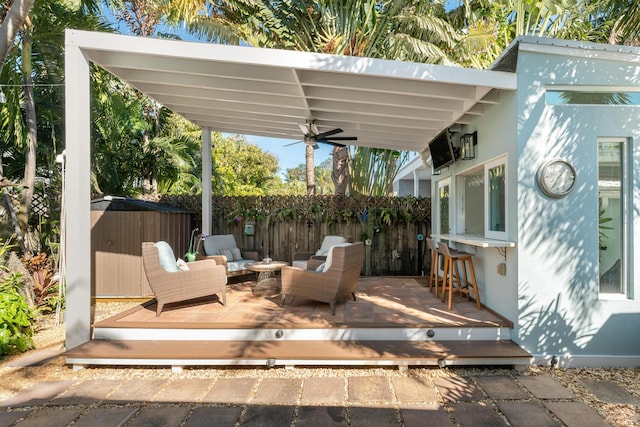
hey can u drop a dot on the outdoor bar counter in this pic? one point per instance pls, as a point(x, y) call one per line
point(474, 240)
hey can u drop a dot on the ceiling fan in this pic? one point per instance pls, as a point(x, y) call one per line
point(312, 136)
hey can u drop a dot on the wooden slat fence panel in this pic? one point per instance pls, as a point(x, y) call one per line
point(286, 224)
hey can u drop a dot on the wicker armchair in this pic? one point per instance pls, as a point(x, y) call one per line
point(203, 278)
point(335, 281)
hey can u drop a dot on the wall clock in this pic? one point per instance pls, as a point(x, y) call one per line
point(556, 178)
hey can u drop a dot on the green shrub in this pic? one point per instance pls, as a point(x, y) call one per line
point(16, 317)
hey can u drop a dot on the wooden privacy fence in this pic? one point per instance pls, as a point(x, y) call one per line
point(393, 228)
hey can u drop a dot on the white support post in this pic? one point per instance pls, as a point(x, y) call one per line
point(416, 184)
point(206, 181)
point(78, 196)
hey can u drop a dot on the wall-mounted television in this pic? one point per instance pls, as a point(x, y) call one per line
point(442, 152)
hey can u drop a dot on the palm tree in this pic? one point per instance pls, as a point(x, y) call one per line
point(625, 15)
point(392, 29)
point(13, 14)
point(372, 174)
point(34, 72)
point(491, 25)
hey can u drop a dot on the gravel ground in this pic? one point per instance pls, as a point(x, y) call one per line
point(51, 337)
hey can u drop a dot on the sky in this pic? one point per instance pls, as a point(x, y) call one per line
point(290, 156)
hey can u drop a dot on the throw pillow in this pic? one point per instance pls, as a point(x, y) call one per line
point(237, 255)
point(226, 252)
point(166, 257)
point(182, 265)
point(327, 264)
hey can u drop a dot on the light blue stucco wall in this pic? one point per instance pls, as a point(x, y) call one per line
point(559, 310)
point(497, 136)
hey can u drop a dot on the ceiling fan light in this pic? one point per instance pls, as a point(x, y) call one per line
point(313, 128)
point(303, 128)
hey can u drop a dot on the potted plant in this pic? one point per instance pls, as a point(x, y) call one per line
point(191, 255)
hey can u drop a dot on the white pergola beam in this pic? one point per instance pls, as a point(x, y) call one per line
point(207, 172)
point(391, 100)
point(169, 80)
point(77, 226)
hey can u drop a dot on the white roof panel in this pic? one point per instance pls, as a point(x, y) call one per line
point(268, 92)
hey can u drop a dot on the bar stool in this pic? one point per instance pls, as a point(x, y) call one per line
point(434, 275)
point(452, 273)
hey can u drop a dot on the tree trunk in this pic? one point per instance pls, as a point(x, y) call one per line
point(310, 172)
point(147, 174)
point(340, 174)
point(32, 133)
point(11, 24)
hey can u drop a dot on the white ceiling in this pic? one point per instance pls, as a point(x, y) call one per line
point(267, 92)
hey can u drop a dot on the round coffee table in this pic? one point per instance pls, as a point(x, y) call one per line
point(267, 283)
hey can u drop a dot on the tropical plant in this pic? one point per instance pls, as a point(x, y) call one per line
point(625, 15)
point(13, 14)
point(45, 284)
point(31, 119)
point(16, 316)
point(139, 147)
point(489, 26)
point(603, 228)
point(373, 170)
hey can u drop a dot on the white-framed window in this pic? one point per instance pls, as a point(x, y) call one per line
point(470, 201)
point(613, 214)
point(591, 95)
point(495, 196)
point(443, 206)
point(481, 200)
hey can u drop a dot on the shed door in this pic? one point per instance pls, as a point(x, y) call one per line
point(116, 241)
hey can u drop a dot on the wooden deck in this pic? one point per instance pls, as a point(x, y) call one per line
point(394, 321)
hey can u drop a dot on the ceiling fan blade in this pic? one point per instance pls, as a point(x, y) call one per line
point(335, 144)
point(342, 138)
point(293, 143)
point(329, 133)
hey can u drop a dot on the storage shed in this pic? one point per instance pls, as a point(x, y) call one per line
point(118, 227)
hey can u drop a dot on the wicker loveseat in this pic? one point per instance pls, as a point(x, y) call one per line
point(223, 249)
point(170, 284)
point(332, 282)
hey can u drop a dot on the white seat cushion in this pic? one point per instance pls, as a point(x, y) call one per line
point(329, 241)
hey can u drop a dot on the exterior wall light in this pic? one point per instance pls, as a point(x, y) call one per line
point(468, 143)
